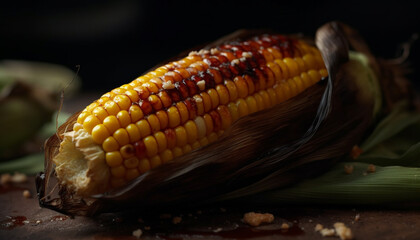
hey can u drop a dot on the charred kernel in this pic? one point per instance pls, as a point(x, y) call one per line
point(151, 146)
point(140, 149)
point(165, 99)
point(123, 101)
point(241, 86)
point(90, 122)
point(209, 123)
point(184, 73)
point(118, 171)
point(216, 75)
point(170, 138)
point(100, 113)
point(123, 118)
point(155, 161)
point(144, 128)
point(174, 95)
point(242, 107)
point(261, 79)
point(192, 87)
point(161, 141)
point(99, 133)
point(250, 84)
point(153, 122)
point(112, 108)
point(191, 107)
point(225, 116)
point(276, 53)
point(121, 136)
point(127, 151)
point(110, 144)
point(166, 156)
point(146, 107)
point(182, 89)
point(133, 132)
point(132, 162)
point(131, 174)
point(177, 152)
point(198, 100)
point(143, 92)
point(201, 127)
point(233, 109)
point(270, 76)
point(214, 97)
point(135, 113)
point(183, 111)
point(155, 102)
point(233, 92)
point(181, 136)
point(174, 117)
point(113, 159)
point(223, 93)
point(132, 94)
point(144, 165)
point(174, 75)
point(217, 121)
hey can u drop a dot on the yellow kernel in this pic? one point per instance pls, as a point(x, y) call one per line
point(292, 66)
point(123, 101)
point(252, 104)
point(310, 62)
point(90, 122)
point(113, 159)
point(233, 109)
point(132, 162)
point(299, 84)
point(250, 84)
point(133, 132)
point(259, 101)
point(156, 102)
point(183, 112)
point(123, 118)
point(273, 96)
point(127, 151)
point(151, 87)
point(201, 126)
point(163, 119)
point(301, 64)
point(225, 116)
point(315, 76)
point(191, 130)
point(306, 80)
point(91, 106)
point(144, 165)
point(266, 98)
point(111, 123)
point(204, 141)
point(118, 171)
point(112, 108)
point(174, 118)
point(82, 116)
point(151, 146)
point(155, 161)
point(276, 53)
point(121, 136)
point(293, 87)
point(166, 156)
point(153, 122)
point(242, 107)
point(131, 174)
point(181, 136)
point(177, 152)
point(199, 104)
point(241, 86)
point(133, 95)
point(135, 113)
point(144, 128)
point(118, 90)
point(195, 145)
point(323, 72)
point(209, 123)
point(161, 141)
point(276, 70)
point(267, 55)
point(110, 144)
point(186, 149)
point(77, 127)
point(233, 92)
point(206, 101)
point(212, 137)
point(223, 94)
point(117, 182)
point(99, 133)
point(284, 69)
point(103, 100)
point(100, 113)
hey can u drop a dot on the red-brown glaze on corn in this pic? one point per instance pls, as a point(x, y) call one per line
point(188, 103)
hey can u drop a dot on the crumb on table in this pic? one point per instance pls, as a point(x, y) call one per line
point(27, 194)
point(137, 233)
point(255, 219)
point(343, 231)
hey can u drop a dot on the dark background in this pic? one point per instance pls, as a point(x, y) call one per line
point(115, 41)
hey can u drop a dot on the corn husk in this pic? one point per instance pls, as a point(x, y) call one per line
point(273, 149)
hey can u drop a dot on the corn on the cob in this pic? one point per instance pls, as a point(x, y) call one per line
point(180, 107)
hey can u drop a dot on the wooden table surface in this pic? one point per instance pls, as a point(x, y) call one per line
point(22, 218)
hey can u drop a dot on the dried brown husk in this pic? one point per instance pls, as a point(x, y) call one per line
point(275, 148)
